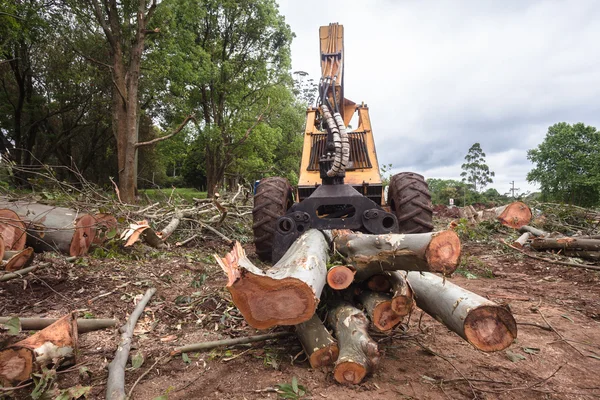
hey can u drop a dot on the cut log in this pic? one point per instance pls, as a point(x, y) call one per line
point(481, 322)
point(533, 231)
point(83, 325)
point(520, 242)
point(403, 298)
point(51, 345)
point(55, 228)
point(105, 225)
point(565, 243)
point(16, 260)
point(359, 354)
point(318, 344)
point(339, 277)
point(513, 215)
point(379, 283)
point(379, 308)
point(288, 292)
point(12, 230)
point(373, 254)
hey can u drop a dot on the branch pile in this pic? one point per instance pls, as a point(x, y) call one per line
point(376, 287)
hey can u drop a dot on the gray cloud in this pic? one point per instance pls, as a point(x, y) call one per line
point(440, 76)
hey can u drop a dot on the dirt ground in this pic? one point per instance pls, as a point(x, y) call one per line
point(422, 359)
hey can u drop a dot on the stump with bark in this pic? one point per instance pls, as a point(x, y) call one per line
point(481, 322)
point(359, 354)
point(55, 228)
point(288, 292)
point(373, 254)
point(51, 345)
point(318, 344)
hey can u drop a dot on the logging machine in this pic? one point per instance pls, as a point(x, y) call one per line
point(339, 186)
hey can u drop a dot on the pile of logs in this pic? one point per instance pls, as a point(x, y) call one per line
point(381, 279)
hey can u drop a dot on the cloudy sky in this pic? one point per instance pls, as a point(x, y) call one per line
point(439, 76)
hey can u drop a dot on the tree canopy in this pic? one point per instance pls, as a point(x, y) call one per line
point(475, 170)
point(567, 164)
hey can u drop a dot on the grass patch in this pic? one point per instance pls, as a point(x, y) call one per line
point(185, 194)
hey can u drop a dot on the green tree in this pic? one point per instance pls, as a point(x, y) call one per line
point(475, 170)
point(442, 190)
point(567, 164)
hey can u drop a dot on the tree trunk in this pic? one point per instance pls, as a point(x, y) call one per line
point(56, 342)
point(565, 243)
point(12, 230)
point(379, 308)
point(55, 228)
point(481, 322)
point(372, 254)
point(16, 260)
point(403, 298)
point(318, 344)
point(359, 354)
point(288, 292)
point(83, 325)
point(520, 242)
point(339, 277)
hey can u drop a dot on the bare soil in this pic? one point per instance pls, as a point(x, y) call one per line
point(423, 360)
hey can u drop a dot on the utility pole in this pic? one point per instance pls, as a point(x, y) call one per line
point(513, 189)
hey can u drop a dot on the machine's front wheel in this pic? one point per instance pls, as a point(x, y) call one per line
point(272, 200)
point(411, 202)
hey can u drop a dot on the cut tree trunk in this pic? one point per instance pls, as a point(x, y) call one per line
point(520, 242)
point(83, 325)
point(379, 308)
point(318, 344)
point(533, 231)
point(565, 243)
point(12, 230)
point(16, 260)
point(339, 277)
point(373, 254)
point(359, 354)
point(481, 322)
point(56, 343)
point(513, 215)
point(288, 292)
point(403, 298)
point(379, 283)
point(55, 228)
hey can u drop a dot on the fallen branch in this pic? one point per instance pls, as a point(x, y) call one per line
point(570, 264)
point(83, 325)
point(115, 385)
point(18, 274)
point(520, 242)
point(228, 342)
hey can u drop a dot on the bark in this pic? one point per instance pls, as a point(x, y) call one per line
point(520, 242)
point(565, 243)
point(288, 292)
point(83, 325)
point(18, 274)
point(379, 308)
point(51, 345)
point(379, 283)
point(12, 230)
point(16, 260)
point(340, 277)
point(318, 344)
point(228, 342)
point(115, 385)
point(534, 231)
point(481, 322)
point(513, 215)
point(373, 254)
point(403, 298)
point(359, 354)
point(55, 228)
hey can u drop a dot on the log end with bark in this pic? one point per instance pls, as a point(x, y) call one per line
point(12, 230)
point(51, 345)
point(340, 277)
point(379, 307)
point(104, 223)
point(83, 236)
point(403, 297)
point(16, 260)
point(490, 328)
point(443, 252)
point(288, 293)
point(318, 344)
point(515, 215)
point(359, 354)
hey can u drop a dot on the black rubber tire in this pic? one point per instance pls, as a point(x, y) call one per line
point(410, 200)
point(272, 200)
